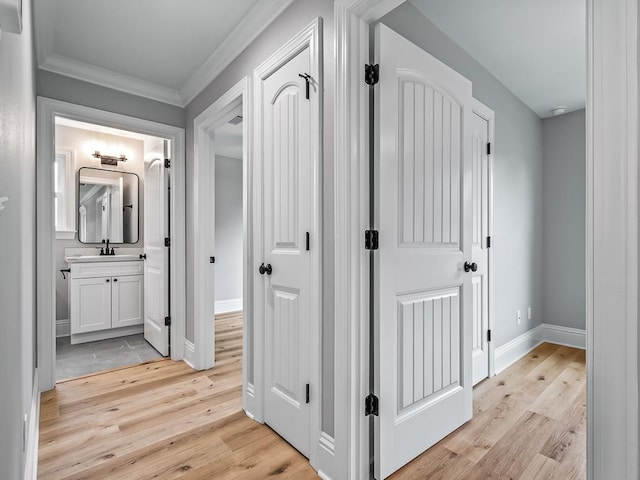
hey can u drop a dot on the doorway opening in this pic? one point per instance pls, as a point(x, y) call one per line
point(111, 218)
point(228, 241)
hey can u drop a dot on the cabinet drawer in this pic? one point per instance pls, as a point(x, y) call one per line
point(106, 269)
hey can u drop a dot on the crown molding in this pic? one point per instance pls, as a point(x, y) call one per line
point(43, 18)
point(253, 24)
point(107, 78)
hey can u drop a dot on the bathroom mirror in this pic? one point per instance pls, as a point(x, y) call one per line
point(107, 206)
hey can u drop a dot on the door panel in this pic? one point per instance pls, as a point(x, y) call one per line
point(92, 307)
point(423, 322)
point(127, 295)
point(156, 265)
point(288, 212)
point(480, 161)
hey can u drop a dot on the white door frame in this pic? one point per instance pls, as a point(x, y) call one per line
point(201, 352)
point(612, 237)
point(48, 109)
point(489, 115)
point(310, 37)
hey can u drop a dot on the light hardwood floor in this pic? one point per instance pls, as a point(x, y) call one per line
point(163, 420)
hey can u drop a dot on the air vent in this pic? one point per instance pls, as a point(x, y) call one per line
point(236, 120)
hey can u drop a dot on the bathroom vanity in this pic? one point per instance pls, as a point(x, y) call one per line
point(106, 296)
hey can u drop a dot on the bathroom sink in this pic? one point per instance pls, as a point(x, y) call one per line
point(101, 258)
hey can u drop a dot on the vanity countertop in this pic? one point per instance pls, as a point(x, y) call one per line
point(102, 258)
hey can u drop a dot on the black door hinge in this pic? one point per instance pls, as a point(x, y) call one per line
point(488, 242)
point(488, 335)
point(488, 148)
point(371, 405)
point(212, 259)
point(307, 394)
point(167, 163)
point(371, 74)
point(371, 239)
point(167, 321)
point(308, 244)
point(167, 242)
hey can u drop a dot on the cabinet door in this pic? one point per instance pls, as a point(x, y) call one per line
point(90, 304)
point(126, 301)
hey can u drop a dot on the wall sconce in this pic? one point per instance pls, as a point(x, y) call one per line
point(109, 160)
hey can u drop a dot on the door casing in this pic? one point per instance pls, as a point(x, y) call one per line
point(612, 92)
point(47, 110)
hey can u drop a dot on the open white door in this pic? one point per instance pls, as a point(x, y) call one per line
point(480, 239)
point(156, 265)
point(423, 330)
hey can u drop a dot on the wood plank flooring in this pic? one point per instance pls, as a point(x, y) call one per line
point(528, 423)
point(163, 420)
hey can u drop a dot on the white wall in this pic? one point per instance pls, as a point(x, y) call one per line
point(81, 140)
point(517, 240)
point(17, 242)
point(564, 214)
point(228, 241)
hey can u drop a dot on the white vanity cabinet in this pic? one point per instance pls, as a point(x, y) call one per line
point(106, 300)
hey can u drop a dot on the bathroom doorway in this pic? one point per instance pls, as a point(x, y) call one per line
point(110, 218)
point(109, 253)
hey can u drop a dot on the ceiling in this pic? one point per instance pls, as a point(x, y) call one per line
point(160, 49)
point(536, 48)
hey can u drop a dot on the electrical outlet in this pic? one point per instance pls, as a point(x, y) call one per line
point(529, 313)
point(518, 317)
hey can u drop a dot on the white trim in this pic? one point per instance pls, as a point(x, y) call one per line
point(65, 234)
point(189, 354)
point(570, 337)
point(612, 239)
point(47, 110)
point(261, 15)
point(204, 237)
point(514, 350)
point(63, 328)
point(489, 115)
point(107, 78)
point(33, 433)
point(311, 38)
point(67, 229)
point(226, 306)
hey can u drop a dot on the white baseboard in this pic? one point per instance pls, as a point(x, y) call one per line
point(189, 354)
point(571, 337)
point(63, 328)
point(509, 353)
point(32, 436)
point(233, 305)
point(512, 351)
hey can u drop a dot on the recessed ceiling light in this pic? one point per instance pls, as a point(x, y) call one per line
point(559, 110)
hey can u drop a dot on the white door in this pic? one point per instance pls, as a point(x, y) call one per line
point(127, 295)
point(480, 280)
point(423, 328)
point(156, 265)
point(287, 210)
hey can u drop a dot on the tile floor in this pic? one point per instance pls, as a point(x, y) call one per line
point(84, 358)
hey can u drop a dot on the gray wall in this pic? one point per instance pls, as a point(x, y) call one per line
point(517, 239)
point(289, 23)
point(17, 241)
point(71, 90)
point(228, 241)
point(564, 275)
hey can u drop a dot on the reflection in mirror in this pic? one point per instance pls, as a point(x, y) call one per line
point(107, 206)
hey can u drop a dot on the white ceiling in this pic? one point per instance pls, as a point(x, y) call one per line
point(536, 48)
point(166, 50)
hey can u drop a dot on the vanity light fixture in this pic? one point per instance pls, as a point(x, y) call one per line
point(108, 159)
